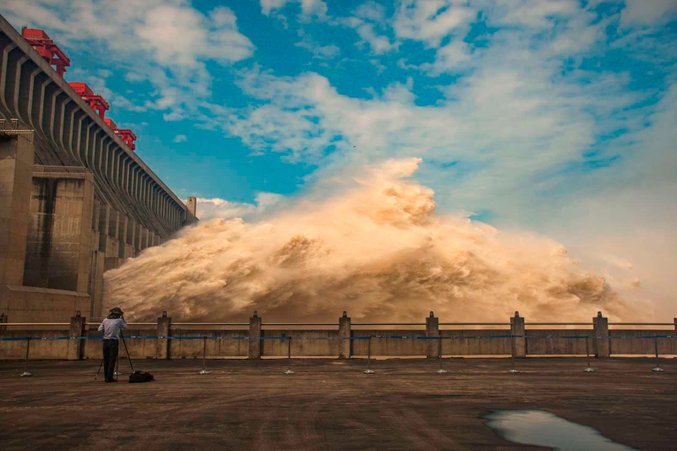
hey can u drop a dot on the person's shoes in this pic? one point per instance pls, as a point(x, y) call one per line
point(112, 380)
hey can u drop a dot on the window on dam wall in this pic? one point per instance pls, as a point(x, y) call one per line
point(54, 235)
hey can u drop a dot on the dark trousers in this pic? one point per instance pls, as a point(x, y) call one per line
point(110, 355)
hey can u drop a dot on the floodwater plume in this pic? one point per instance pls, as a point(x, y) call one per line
point(377, 250)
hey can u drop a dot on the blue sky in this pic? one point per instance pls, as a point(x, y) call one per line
point(551, 115)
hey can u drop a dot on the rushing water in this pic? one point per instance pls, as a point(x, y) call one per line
point(536, 427)
point(376, 248)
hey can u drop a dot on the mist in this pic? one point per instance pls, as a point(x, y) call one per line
point(377, 250)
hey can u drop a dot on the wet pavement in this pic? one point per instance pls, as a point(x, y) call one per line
point(329, 404)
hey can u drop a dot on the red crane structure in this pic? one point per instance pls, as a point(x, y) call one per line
point(44, 45)
point(95, 101)
point(111, 123)
point(46, 48)
point(125, 134)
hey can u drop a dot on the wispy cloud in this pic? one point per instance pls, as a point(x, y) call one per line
point(210, 208)
point(164, 43)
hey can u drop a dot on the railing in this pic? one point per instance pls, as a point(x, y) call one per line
point(257, 339)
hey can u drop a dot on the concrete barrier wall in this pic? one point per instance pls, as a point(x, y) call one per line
point(394, 347)
point(80, 340)
point(457, 345)
point(304, 343)
point(139, 348)
point(219, 343)
point(548, 341)
point(637, 345)
point(39, 349)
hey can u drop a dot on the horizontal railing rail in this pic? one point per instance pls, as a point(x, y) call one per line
point(276, 324)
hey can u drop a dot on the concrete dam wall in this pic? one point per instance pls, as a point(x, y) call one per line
point(75, 199)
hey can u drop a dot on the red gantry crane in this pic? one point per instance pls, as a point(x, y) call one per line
point(97, 102)
point(46, 48)
point(51, 52)
point(125, 134)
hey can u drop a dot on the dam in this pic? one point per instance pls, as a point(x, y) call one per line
point(75, 198)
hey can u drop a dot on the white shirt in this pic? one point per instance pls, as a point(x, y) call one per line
point(111, 328)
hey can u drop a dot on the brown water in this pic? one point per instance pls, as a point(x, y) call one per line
point(377, 249)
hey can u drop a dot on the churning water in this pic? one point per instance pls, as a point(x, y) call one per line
point(536, 427)
point(376, 249)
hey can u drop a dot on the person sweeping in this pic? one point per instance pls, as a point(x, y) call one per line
point(111, 327)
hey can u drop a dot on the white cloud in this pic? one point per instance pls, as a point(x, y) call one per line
point(267, 6)
point(430, 21)
point(369, 21)
point(209, 208)
point(319, 51)
point(453, 57)
point(180, 139)
point(645, 12)
point(172, 33)
point(165, 43)
point(183, 36)
point(531, 13)
point(309, 8)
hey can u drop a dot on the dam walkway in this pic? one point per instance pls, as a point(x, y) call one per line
point(330, 404)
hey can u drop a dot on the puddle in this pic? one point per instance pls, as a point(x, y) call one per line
point(536, 427)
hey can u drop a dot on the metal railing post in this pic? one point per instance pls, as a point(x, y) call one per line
point(289, 370)
point(204, 356)
point(440, 370)
point(588, 368)
point(27, 373)
point(163, 330)
point(369, 370)
point(657, 368)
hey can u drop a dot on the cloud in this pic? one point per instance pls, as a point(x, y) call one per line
point(647, 12)
point(183, 36)
point(310, 9)
point(430, 21)
point(171, 33)
point(180, 139)
point(210, 208)
point(370, 22)
point(166, 44)
point(319, 51)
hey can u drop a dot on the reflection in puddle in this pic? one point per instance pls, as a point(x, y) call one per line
point(536, 427)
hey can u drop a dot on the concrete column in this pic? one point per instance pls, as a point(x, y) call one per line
point(192, 205)
point(16, 184)
point(164, 329)
point(600, 327)
point(432, 329)
point(78, 329)
point(85, 236)
point(344, 333)
point(255, 348)
point(519, 338)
